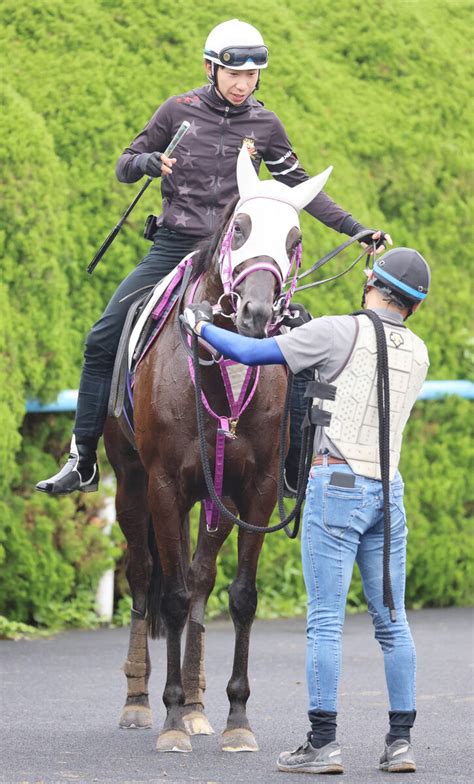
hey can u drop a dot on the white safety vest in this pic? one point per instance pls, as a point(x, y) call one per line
point(354, 427)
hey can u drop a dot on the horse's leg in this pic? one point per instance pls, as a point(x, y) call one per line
point(238, 735)
point(202, 576)
point(169, 514)
point(133, 517)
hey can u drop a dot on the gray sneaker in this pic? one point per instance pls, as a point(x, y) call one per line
point(307, 759)
point(398, 757)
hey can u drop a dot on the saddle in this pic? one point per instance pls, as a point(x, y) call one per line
point(145, 319)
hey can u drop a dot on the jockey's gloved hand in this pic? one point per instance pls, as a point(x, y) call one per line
point(299, 315)
point(150, 163)
point(195, 316)
point(374, 236)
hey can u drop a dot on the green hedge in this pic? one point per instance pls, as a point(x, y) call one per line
point(377, 89)
point(53, 551)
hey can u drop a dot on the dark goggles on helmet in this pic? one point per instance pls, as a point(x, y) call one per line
point(236, 56)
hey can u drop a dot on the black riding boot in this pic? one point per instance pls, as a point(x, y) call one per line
point(81, 471)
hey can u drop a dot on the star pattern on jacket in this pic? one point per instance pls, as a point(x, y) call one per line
point(218, 148)
point(187, 160)
point(181, 218)
point(255, 111)
point(194, 128)
point(215, 181)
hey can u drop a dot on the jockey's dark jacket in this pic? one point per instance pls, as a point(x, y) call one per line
point(204, 181)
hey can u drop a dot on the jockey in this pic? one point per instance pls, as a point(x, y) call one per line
point(196, 186)
point(343, 517)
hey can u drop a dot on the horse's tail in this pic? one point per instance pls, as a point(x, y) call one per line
point(156, 626)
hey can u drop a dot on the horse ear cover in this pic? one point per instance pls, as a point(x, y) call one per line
point(247, 177)
point(299, 196)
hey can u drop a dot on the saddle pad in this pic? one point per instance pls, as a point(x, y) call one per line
point(163, 289)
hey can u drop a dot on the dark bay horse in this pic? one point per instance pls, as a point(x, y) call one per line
point(158, 484)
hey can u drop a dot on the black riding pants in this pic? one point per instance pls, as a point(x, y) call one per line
point(168, 249)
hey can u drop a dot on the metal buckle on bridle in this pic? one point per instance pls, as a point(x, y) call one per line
point(279, 306)
point(234, 300)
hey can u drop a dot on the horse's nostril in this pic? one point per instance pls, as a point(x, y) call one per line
point(248, 310)
point(255, 316)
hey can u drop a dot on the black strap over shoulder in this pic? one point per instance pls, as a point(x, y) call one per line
point(383, 400)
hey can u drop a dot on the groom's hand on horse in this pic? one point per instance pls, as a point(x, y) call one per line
point(195, 316)
point(381, 240)
point(298, 315)
point(155, 164)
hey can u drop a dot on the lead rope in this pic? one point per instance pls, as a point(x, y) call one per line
point(304, 466)
point(383, 398)
point(207, 468)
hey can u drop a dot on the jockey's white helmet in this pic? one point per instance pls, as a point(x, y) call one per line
point(236, 45)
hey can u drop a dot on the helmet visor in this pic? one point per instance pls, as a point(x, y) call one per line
point(237, 56)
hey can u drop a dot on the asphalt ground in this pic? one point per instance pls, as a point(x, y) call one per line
point(61, 697)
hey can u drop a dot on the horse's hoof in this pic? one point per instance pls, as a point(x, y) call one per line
point(238, 740)
point(136, 717)
point(197, 723)
point(173, 740)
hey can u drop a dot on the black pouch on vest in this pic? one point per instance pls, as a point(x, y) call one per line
point(150, 227)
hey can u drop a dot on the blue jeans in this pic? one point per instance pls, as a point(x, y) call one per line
point(341, 525)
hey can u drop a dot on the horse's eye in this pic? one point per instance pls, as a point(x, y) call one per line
point(237, 229)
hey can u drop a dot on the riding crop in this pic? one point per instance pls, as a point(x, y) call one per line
point(182, 130)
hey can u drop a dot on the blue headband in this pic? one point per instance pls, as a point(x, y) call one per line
point(380, 272)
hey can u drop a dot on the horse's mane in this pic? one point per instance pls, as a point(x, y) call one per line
point(205, 250)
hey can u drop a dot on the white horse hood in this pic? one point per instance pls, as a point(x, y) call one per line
point(273, 209)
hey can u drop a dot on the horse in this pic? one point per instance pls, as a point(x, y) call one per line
point(245, 264)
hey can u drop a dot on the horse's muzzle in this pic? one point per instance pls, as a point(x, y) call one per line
point(253, 318)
